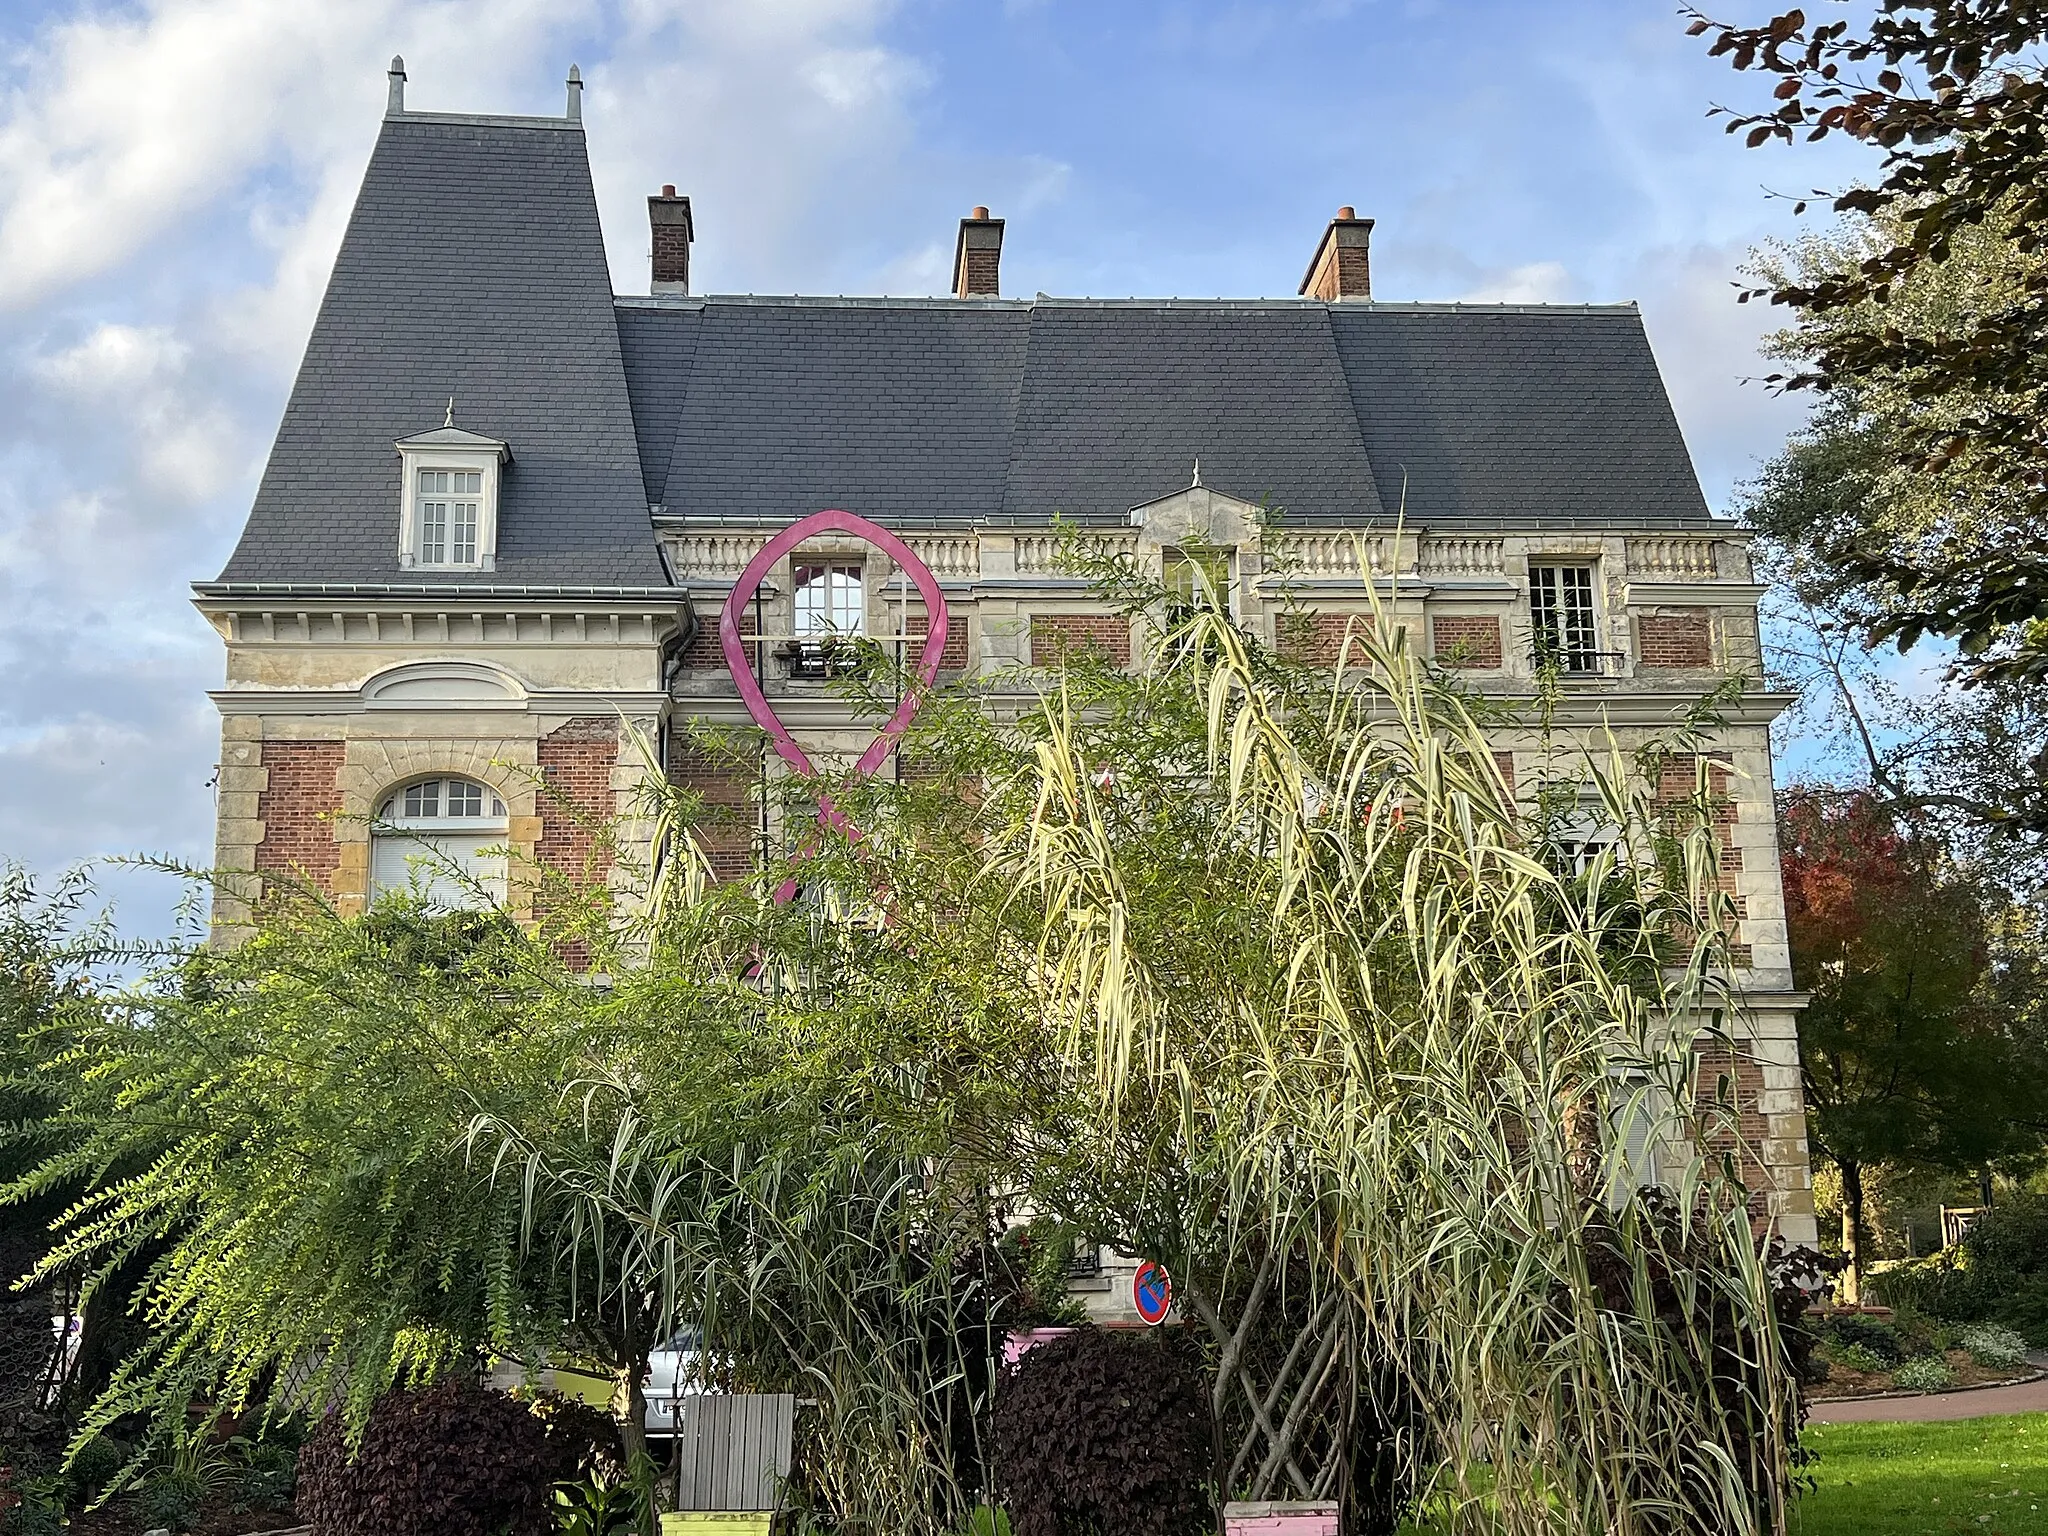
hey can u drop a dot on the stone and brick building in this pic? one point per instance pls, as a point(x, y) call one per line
point(506, 505)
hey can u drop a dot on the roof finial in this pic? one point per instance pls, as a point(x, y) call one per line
point(395, 103)
point(1198, 471)
point(449, 421)
point(575, 94)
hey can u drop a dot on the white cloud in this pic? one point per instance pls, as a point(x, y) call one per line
point(175, 177)
point(133, 383)
point(850, 79)
point(786, 125)
point(1706, 346)
point(925, 270)
point(1538, 282)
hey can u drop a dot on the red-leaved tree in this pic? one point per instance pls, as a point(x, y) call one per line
point(1906, 1056)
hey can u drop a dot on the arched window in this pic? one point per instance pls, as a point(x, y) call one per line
point(444, 839)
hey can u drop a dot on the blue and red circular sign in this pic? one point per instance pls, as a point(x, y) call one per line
point(1152, 1292)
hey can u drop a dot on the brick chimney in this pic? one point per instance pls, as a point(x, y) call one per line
point(978, 257)
point(1342, 268)
point(669, 216)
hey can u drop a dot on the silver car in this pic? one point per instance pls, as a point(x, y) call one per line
point(674, 1369)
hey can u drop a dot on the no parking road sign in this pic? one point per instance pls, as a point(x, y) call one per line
point(1152, 1292)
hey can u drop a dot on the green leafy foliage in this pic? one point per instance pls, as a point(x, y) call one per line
point(596, 1506)
point(278, 1129)
point(1954, 97)
point(1993, 1345)
point(50, 950)
point(1104, 1431)
point(1928, 1373)
point(1906, 1055)
point(1873, 1336)
point(446, 1460)
point(1999, 1273)
point(1860, 1357)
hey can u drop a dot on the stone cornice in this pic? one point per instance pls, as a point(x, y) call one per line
point(823, 711)
point(448, 594)
point(1693, 594)
point(350, 701)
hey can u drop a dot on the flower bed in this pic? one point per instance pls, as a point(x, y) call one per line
point(1864, 1355)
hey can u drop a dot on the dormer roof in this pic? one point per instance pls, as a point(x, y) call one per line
point(457, 438)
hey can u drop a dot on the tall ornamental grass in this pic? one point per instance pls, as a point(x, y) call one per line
point(1390, 1028)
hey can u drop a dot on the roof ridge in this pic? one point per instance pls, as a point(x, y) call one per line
point(1052, 301)
point(487, 119)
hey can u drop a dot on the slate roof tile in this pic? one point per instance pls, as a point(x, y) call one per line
point(473, 265)
point(915, 411)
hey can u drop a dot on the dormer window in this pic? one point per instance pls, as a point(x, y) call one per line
point(448, 501)
point(449, 519)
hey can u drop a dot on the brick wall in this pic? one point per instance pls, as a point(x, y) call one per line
point(1467, 640)
point(953, 657)
point(1349, 276)
point(1675, 639)
point(1314, 639)
point(704, 649)
point(1678, 784)
point(1055, 636)
point(575, 761)
point(1738, 1074)
point(983, 271)
point(297, 807)
point(726, 831)
point(671, 263)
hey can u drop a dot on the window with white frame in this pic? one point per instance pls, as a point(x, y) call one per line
point(1582, 834)
point(1645, 1146)
point(450, 504)
point(448, 518)
point(830, 599)
point(443, 840)
point(1198, 578)
point(1562, 620)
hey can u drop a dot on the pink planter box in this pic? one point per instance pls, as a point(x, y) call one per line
point(1027, 1339)
point(1277, 1519)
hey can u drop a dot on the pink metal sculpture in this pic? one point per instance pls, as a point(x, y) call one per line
point(926, 671)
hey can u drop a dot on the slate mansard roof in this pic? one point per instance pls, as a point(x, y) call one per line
point(474, 266)
point(916, 410)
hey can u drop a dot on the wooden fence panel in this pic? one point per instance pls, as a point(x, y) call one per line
point(733, 1452)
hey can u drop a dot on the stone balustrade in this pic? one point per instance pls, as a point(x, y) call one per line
point(1333, 555)
point(1672, 557)
point(1461, 556)
point(1038, 554)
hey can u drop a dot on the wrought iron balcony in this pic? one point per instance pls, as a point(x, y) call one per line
point(1577, 661)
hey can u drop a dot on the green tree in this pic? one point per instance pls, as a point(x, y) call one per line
point(49, 951)
point(1257, 971)
point(273, 1134)
point(1865, 515)
point(1967, 766)
point(1909, 1060)
point(1935, 292)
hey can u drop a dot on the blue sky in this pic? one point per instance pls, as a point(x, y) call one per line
point(174, 177)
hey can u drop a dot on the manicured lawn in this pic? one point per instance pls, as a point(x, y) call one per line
point(1988, 1476)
